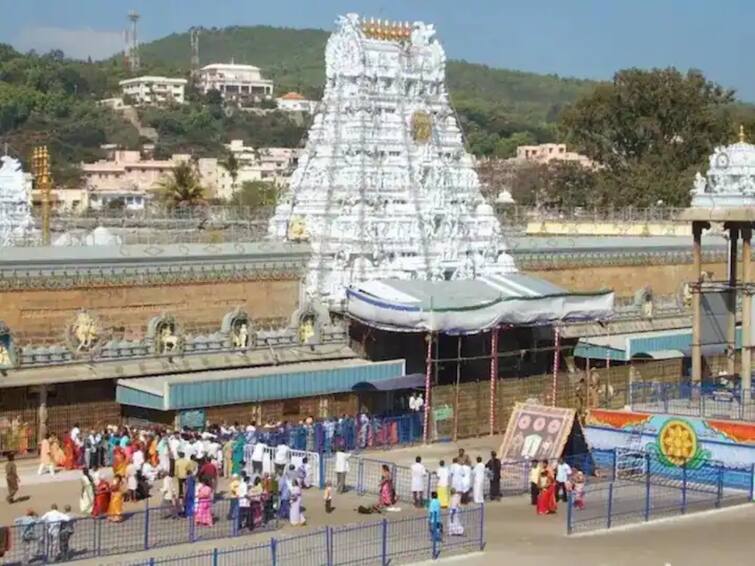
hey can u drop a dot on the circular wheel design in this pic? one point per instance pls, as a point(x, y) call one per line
point(678, 441)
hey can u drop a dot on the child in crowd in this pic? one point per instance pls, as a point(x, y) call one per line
point(579, 490)
point(328, 497)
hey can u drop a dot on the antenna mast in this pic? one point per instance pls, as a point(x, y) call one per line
point(194, 52)
point(132, 42)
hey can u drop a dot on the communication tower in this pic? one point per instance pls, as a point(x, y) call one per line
point(132, 42)
point(194, 52)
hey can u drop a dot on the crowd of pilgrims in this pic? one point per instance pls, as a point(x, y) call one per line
point(123, 464)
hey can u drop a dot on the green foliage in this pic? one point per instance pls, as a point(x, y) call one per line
point(256, 195)
point(182, 188)
point(651, 130)
point(558, 184)
point(202, 131)
point(493, 104)
point(50, 100)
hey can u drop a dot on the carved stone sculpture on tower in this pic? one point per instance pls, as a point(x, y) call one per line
point(384, 187)
point(16, 223)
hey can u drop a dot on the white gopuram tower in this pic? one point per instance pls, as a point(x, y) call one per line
point(385, 188)
point(16, 222)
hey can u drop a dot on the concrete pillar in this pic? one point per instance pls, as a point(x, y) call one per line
point(42, 413)
point(746, 315)
point(731, 326)
point(697, 358)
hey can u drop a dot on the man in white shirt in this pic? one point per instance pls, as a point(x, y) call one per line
point(281, 458)
point(76, 435)
point(478, 482)
point(455, 475)
point(244, 504)
point(199, 449)
point(466, 481)
point(258, 454)
point(563, 472)
point(174, 445)
point(137, 459)
point(54, 520)
point(412, 403)
point(419, 403)
point(419, 483)
point(342, 468)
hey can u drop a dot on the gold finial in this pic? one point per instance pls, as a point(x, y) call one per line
point(742, 137)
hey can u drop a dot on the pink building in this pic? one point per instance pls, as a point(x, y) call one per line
point(126, 175)
point(547, 152)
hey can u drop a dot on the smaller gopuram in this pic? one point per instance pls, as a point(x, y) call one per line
point(725, 195)
point(16, 223)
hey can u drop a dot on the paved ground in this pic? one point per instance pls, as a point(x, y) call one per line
point(514, 533)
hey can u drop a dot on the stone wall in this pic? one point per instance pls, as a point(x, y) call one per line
point(626, 280)
point(42, 315)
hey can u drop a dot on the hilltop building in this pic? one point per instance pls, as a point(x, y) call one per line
point(153, 91)
point(295, 102)
point(130, 178)
point(235, 82)
point(267, 164)
point(548, 152)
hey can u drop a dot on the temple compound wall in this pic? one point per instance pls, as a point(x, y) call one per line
point(74, 321)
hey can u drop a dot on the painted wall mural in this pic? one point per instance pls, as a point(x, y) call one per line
point(674, 439)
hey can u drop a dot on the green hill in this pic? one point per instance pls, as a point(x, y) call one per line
point(493, 104)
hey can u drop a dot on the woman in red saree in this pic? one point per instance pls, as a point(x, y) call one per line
point(120, 461)
point(69, 453)
point(101, 498)
point(546, 500)
point(387, 496)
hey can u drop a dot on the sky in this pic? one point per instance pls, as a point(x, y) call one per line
point(576, 38)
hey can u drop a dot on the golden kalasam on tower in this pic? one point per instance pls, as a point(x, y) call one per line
point(386, 31)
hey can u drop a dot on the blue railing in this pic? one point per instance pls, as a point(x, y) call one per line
point(656, 490)
point(350, 434)
point(377, 542)
point(692, 399)
point(141, 530)
point(364, 474)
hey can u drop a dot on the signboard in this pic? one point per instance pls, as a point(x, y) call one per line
point(443, 413)
point(536, 432)
point(192, 419)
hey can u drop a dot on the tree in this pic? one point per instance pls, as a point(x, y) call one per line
point(182, 187)
point(257, 195)
point(232, 165)
point(650, 131)
point(558, 184)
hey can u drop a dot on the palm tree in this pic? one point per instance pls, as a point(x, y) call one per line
point(182, 187)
